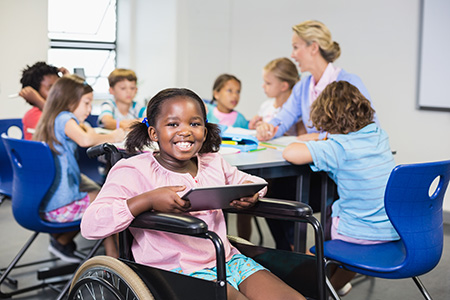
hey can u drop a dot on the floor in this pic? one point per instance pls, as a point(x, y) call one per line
point(13, 236)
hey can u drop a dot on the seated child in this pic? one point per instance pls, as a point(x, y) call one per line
point(36, 83)
point(123, 110)
point(156, 181)
point(357, 156)
point(68, 105)
point(279, 76)
point(226, 92)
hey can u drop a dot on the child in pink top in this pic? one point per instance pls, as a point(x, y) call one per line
point(156, 181)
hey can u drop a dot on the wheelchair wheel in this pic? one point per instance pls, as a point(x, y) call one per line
point(104, 277)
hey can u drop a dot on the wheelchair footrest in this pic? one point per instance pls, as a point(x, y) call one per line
point(46, 273)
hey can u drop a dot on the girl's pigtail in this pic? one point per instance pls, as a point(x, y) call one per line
point(213, 139)
point(137, 138)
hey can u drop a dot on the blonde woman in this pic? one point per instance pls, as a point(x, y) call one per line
point(315, 51)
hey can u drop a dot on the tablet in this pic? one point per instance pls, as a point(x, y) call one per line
point(216, 197)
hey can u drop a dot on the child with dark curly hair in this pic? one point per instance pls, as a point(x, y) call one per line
point(36, 83)
point(357, 156)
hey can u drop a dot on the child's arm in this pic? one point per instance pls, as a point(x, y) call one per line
point(309, 137)
point(297, 153)
point(108, 122)
point(163, 199)
point(89, 137)
point(33, 97)
point(109, 214)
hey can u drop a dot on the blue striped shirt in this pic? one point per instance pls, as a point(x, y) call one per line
point(109, 107)
point(360, 164)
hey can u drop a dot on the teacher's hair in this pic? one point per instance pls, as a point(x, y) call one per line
point(341, 108)
point(315, 31)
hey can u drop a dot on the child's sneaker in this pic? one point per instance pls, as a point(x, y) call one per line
point(345, 289)
point(65, 253)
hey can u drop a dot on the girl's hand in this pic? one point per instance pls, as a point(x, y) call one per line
point(163, 199)
point(245, 202)
point(254, 122)
point(118, 135)
point(265, 131)
point(126, 124)
point(166, 199)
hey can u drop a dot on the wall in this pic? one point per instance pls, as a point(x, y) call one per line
point(379, 42)
point(23, 36)
point(188, 43)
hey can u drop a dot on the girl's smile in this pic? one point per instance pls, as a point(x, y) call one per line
point(179, 132)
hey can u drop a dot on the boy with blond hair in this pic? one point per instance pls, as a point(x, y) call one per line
point(123, 110)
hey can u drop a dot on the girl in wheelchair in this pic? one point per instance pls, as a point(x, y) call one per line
point(156, 181)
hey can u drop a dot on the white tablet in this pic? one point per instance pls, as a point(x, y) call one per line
point(216, 197)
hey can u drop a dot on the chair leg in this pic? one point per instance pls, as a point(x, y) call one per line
point(422, 288)
point(91, 253)
point(13, 264)
point(258, 227)
point(332, 290)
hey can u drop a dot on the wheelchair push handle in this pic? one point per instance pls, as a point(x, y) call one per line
point(101, 149)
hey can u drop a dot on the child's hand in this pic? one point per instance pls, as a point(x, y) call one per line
point(265, 131)
point(32, 96)
point(254, 122)
point(126, 124)
point(166, 199)
point(245, 202)
point(118, 135)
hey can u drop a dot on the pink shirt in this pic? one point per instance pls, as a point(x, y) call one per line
point(141, 173)
point(329, 75)
point(227, 119)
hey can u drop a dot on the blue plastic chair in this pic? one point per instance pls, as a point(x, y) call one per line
point(416, 216)
point(6, 173)
point(34, 171)
point(92, 168)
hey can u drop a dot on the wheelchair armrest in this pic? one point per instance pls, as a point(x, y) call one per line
point(175, 223)
point(277, 208)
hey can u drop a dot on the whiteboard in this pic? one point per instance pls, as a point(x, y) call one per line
point(434, 57)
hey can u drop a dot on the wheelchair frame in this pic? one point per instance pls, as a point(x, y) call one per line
point(101, 275)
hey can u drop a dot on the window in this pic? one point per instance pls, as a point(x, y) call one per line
point(82, 34)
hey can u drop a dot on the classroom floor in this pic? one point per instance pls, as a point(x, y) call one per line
point(437, 281)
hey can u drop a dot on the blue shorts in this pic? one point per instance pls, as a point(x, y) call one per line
point(238, 268)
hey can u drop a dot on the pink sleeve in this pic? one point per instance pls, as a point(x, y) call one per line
point(235, 176)
point(109, 212)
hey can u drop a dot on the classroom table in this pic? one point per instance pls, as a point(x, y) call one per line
point(269, 163)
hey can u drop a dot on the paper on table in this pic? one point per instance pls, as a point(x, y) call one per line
point(281, 142)
point(238, 130)
point(228, 150)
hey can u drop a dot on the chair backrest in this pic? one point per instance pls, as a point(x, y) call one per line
point(34, 171)
point(5, 166)
point(416, 215)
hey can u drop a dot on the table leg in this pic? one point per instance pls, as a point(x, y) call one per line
point(302, 195)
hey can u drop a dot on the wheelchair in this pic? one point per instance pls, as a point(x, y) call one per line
point(104, 277)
